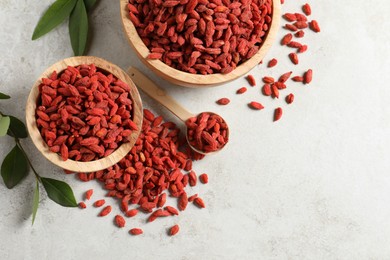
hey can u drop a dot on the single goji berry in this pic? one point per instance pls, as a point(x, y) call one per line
point(120, 221)
point(174, 230)
point(136, 231)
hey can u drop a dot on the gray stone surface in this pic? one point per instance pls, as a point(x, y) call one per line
point(314, 185)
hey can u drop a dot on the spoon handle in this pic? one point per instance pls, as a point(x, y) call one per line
point(158, 94)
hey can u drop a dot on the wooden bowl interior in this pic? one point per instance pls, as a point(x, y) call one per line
point(69, 164)
point(195, 80)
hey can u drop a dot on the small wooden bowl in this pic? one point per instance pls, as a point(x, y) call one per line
point(69, 164)
point(195, 80)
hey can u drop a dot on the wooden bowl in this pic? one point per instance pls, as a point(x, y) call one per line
point(196, 80)
point(77, 166)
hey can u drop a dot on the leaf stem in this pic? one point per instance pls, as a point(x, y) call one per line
point(28, 160)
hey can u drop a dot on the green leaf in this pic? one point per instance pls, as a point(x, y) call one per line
point(4, 96)
point(54, 16)
point(4, 125)
point(14, 167)
point(89, 4)
point(17, 128)
point(59, 192)
point(35, 202)
point(78, 28)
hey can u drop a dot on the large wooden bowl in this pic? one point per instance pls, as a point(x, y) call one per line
point(69, 164)
point(195, 80)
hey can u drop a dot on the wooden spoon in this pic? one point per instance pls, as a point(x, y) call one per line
point(158, 94)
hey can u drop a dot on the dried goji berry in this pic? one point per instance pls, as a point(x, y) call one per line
point(290, 98)
point(251, 80)
point(272, 63)
point(306, 9)
point(223, 101)
point(308, 76)
point(199, 202)
point(174, 230)
point(204, 178)
point(255, 105)
point(314, 26)
point(88, 194)
point(136, 231)
point(105, 211)
point(99, 203)
point(241, 90)
point(278, 113)
point(120, 221)
point(82, 205)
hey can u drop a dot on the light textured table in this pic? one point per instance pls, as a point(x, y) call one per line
point(315, 185)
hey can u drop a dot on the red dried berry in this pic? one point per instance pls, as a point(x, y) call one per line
point(278, 113)
point(297, 78)
point(105, 211)
point(241, 90)
point(136, 231)
point(174, 230)
point(82, 205)
point(132, 212)
point(308, 76)
point(191, 198)
point(294, 44)
point(204, 178)
point(267, 90)
point(255, 105)
point(88, 194)
point(289, 17)
point(99, 203)
point(251, 80)
point(284, 77)
point(299, 34)
point(290, 98)
point(314, 26)
point(302, 49)
point(272, 63)
point(294, 58)
point(268, 79)
point(301, 24)
point(223, 101)
point(120, 221)
point(172, 210)
point(280, 85)
point(161, 200)
point(199, 202)
point(183, 201)
point(300, 17)
point(275, 91)
point(286, 39)
point(290, 27)
point(306, 9)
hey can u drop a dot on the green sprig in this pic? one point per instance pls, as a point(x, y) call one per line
point(15, 166)
point(76, 11)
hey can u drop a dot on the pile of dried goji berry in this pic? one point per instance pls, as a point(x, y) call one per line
point(160, 164)
point(207, 132)
point(298, 22)
point(202, 36)
point(83, 113)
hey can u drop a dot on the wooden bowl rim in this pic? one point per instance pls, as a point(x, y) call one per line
point(196, 80)
point(77, 166)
